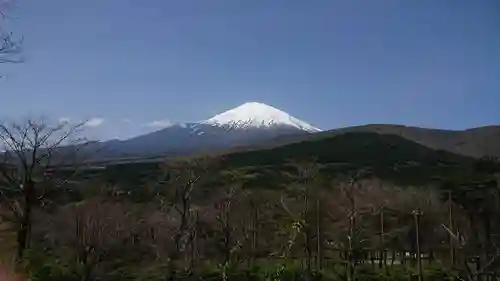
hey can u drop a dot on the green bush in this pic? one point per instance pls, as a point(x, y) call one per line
point(43, 267)
point(437, 272)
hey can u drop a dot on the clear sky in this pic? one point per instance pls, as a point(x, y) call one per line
point(332, 63)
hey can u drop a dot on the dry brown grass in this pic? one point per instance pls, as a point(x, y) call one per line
point(6, 274)
point(7, 243)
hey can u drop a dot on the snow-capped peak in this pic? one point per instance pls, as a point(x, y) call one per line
point(255, 114)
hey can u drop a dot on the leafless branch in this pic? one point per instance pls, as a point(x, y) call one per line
point(10, 49)
point(29, 149)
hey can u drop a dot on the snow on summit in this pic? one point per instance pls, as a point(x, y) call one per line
point(255, 114)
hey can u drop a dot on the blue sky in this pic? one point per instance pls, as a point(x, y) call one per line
point(332, 63)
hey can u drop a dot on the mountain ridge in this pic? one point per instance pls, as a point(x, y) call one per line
point(475, 142)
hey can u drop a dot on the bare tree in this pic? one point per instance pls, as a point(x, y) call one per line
point(184, 177)
point(91, 236)
point(225, 222)
point(478, 202)
point(346, 216)
point(352, 214)
point(10, 48)
point(251, 221)
point(302, 192)
point(30, 149)
point(231, 235)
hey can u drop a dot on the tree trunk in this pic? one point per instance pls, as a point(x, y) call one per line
point(86, 272)
point(194, 244)
point(319, 242)
point(308, 252)
point(351, 262)
point(227, 233)
point(382, 259)
point(487, 236)
point(419, 258)
point(255, 232)
point(450, 226)
point(23, 233)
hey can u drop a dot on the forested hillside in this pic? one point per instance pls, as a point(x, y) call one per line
point(475, 142)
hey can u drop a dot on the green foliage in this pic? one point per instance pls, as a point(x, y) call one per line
point(153, 273)
point(396, 273)
point(437, 272)
point(42, 267)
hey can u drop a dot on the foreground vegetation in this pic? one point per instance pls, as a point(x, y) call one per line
point(362, 229)
point(212, 218)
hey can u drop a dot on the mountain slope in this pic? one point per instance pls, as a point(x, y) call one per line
point(474, 142)
point(360, 148)
point(385, 156)
point(389, 157)
point(244, 125)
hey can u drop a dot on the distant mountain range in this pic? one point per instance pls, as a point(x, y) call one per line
point(254, 126)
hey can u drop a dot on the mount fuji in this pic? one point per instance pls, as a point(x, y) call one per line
point(248, 124)
point(258, 115)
